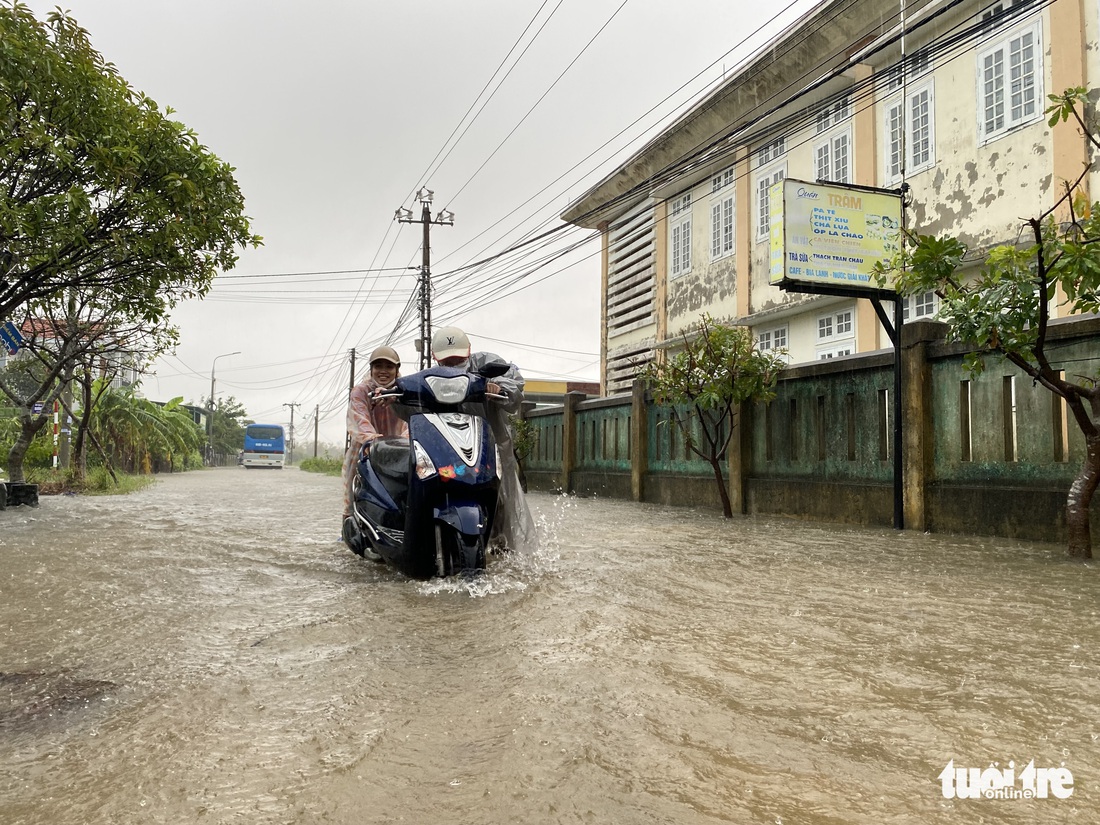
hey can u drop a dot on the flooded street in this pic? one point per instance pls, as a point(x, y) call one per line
point(206, 651)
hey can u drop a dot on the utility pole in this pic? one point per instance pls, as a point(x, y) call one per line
point(442, 218)
point(316, 423)
point(292, 406)
point(351, 386)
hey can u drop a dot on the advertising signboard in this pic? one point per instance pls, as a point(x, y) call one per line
point(831, 234)
point(9, 335)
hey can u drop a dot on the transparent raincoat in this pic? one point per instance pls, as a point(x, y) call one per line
point(515, 526)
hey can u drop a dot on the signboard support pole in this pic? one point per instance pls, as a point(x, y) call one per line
point(894, 331)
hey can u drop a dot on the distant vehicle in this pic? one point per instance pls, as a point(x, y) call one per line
point(264, 446)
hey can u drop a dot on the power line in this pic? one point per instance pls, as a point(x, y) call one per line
point(685, 164)
point(542, 97)
point(223, 277)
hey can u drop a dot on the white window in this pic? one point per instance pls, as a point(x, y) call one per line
point(910, 134)
point(832, 158)
point(833, 114)
point(723, 180)
point(995, 16)
point(891, 77)
point(771, 339)
point(721, 215)
point(835, 325)
point(1010, 82)
point(924, 305)
point(771, 151)
point(679, 236)
point(764, 181)
point(835, 334)
point(721, 227)
point(834, 352)
point(843, 323)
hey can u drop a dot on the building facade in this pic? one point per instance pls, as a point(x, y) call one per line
point(945, 99)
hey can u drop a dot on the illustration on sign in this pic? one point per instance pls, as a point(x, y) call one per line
point(831, 234)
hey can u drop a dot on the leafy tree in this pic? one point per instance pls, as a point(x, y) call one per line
point(718, 369)
point(77, 336)
point(230, 419)
point(30, 381)
point(1004, 306)
point(135, 433)
point(39, 453)
point(99, 188)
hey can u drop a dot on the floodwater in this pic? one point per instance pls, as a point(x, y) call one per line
point(204, 651)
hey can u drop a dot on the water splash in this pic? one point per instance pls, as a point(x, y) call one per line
point(517, 570)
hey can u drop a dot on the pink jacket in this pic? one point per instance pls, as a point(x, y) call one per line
point(368, 420)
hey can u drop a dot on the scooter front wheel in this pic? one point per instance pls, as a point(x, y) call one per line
point(456, 553)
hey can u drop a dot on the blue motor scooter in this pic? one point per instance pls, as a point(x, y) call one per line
point(426, 505)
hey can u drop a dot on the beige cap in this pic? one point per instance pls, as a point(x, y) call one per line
point(385, 354)
point(450, 342)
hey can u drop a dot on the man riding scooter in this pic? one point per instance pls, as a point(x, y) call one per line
point(515, 527)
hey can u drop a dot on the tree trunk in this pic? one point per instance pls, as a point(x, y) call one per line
point(29, 425)
point(719, 479)
point(1080, 498)
point(78, 468)
point(103, 454)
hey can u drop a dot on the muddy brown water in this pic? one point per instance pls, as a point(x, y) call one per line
point(205, 651)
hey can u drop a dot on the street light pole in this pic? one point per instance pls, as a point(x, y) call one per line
point(210, 421)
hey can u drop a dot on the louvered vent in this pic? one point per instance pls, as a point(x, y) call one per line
point(631, 290)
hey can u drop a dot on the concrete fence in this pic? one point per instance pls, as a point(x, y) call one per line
point(988, 454)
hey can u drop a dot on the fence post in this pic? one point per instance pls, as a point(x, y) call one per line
point(569, 438)
point(739, 458)
point(639, 440)
point(917, 436)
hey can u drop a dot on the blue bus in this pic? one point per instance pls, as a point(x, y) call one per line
point(264, 446)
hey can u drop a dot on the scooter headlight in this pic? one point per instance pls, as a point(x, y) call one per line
point(424, 467)
point(449, 390)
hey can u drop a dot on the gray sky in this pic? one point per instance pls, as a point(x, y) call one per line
point(332, 113)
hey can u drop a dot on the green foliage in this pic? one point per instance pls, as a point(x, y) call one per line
point(39, 453)
point(327, 466)
point(100, 188)
point(1066, 105)
point(142, 434)
point(97, 482)
point(230, 420)
point(718, 369)
point(525, 437)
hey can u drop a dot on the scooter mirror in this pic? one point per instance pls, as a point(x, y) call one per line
point(494, 368)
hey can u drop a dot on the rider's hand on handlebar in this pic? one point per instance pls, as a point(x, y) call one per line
point(496, 392)
point(384, 396)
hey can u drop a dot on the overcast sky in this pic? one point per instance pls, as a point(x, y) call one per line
point(335, 112)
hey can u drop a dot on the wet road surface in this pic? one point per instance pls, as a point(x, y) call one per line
point(206, 651)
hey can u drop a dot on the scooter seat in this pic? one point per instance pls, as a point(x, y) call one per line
point(390, 457)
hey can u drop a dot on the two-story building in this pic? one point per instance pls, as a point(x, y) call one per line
point(946, 98)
